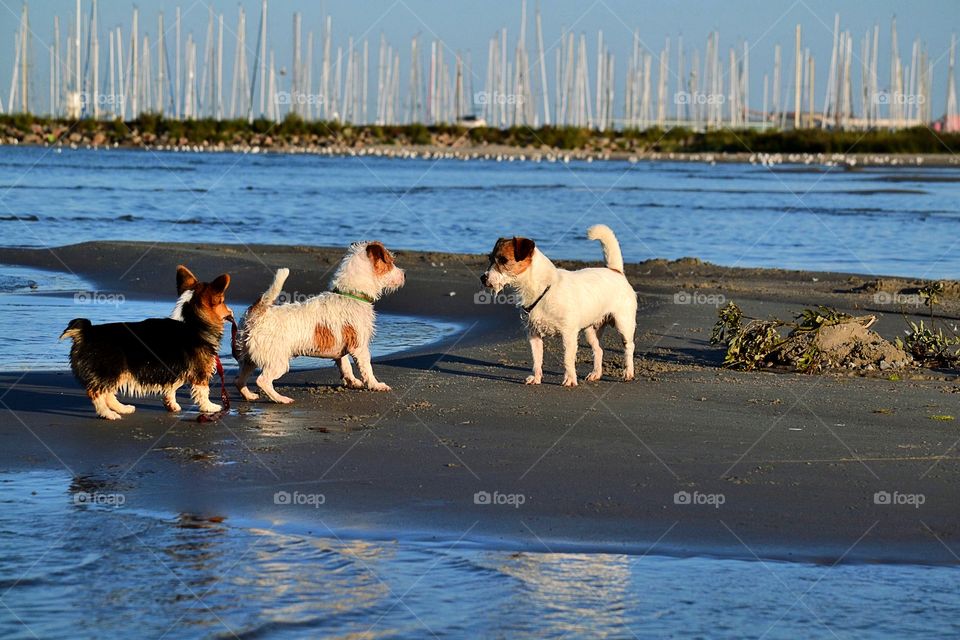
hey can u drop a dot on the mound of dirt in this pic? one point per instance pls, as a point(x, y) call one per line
point(847, 345)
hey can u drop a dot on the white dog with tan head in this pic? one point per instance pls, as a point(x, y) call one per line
point(557, 301)
point(336, 324)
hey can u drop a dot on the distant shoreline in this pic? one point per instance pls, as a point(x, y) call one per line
point(850, 149)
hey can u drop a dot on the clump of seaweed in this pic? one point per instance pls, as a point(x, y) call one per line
point(748, 345)
point(817, 340)
point(930, 345)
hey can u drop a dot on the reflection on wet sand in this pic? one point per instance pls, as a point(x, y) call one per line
point(77, 561)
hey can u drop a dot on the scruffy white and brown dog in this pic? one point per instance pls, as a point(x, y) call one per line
point(335, 324)
point(557, 301)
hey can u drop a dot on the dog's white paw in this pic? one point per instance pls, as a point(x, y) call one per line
point(380, 387)
point(627, 376)
point(283, 400)
point(532, 380)
point(569, 381)
point(110, 415)
point(125, 409)
point(248, 395)
point(173, 407)
point(353, 384)
point(593, 376)
point(210, 408)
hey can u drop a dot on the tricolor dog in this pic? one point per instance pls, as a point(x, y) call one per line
point(336, 324)
point(557, 301)
point(155, 356)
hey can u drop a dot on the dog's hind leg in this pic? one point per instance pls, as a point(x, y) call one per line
point(246, 368)
point(362, 356)
point(570, 357)
point(102, 405)
point(118, 406)
point(265, 381)
point(346, 373)
point(593, 339)
point(170, 399)
point(627, 325)
point(536, 348)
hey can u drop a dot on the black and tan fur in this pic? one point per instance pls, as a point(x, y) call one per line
point(154, 356)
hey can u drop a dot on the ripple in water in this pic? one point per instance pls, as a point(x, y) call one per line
point(81, 567)
point(872, 221)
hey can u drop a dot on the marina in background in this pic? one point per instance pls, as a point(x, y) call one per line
point(154, 65)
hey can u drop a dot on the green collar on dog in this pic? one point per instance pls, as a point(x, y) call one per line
point(355, 296)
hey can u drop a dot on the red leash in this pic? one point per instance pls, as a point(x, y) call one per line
point(224, 396)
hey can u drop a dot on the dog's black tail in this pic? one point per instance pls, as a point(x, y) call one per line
point(75, 329)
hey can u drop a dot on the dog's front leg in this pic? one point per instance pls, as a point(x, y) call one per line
point(201, 396)
point(346, 373)
point(536, 348)
point(362, 356)
point(570, 357)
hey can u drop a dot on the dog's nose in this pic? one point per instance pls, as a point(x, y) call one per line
point(483, 279)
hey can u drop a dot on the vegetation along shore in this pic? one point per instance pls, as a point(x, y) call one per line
point(918, 145)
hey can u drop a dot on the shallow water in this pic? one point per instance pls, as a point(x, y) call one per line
point(77, 563)
point(893, 221)
point(73, 569)
point(46, 301)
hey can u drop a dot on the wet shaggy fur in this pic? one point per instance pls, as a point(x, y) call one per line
point(154, 356)
point(336, 325)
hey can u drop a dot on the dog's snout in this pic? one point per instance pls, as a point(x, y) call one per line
point(483, 279)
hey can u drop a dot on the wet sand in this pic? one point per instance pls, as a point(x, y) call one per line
point(795, 460)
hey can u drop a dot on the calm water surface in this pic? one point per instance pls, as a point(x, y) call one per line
point(77, 570)
point(73, 569)
point(899, 221)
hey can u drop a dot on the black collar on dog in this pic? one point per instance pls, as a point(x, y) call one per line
point(529, 308)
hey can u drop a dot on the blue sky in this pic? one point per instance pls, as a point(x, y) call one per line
point(467, 26)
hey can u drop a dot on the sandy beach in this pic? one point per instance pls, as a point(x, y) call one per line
point(797, 459)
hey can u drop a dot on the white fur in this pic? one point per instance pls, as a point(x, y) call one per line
point(185, 297)
point(270, 336)
point(587, 300)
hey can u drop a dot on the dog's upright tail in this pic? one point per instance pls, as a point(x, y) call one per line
point(611, 248)
point(75, 329)
point(270, 295)
point(238, 335)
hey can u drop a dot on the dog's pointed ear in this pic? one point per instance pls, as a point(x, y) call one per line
point(221, 283)
point(523, 248)
point(185, 279)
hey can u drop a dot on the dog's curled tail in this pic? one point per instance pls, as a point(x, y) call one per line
point(611, 248)
point(75, 329)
